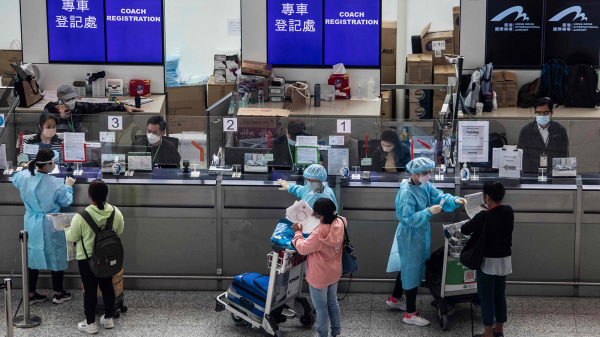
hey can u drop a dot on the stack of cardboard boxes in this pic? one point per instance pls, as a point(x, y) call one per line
point(388, 52)
point(422, 68)
point(187, 107)
point(226, 66)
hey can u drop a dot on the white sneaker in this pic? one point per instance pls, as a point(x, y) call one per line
point(401, 305)
point(88, 328)
point(416, 319)
point(107, 323)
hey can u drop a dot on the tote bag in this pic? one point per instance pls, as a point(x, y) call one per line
point(472, 257)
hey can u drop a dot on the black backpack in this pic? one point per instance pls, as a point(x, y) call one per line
point(529, 93)
point(582, 89)
point(107, 256)
point(555, 75)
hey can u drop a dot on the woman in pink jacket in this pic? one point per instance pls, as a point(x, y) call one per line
point(324, 263)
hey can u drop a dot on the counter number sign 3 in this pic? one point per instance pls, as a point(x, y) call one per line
point(115, 122)
point(344, 125)
point(230, 125)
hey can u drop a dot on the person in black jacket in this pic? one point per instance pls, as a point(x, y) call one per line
point(162, 151)
point(392, 154)
point(284, 146)
point(543, 140)
point(498, 222)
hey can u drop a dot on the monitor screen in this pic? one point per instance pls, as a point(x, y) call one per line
point(573, 31)
point(105, 31)
point(323, 32)
point(352, 32)
point(514, 33)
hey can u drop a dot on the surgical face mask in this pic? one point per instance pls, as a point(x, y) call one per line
point(152, 138)
point(70, 104)
point(291, 142)
point(424, 179)
point(542, 120)
point(49, 133)
point(314, 186)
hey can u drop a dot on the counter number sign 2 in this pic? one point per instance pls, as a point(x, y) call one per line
point(344, 126)
point(115, 122)
point(230, 125)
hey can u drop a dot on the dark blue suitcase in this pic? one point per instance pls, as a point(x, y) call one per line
point(249, 292)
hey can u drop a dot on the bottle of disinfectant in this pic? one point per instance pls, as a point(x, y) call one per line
point(464, 173)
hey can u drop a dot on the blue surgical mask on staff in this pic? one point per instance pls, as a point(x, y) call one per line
point(542, 120)
point(314, 186)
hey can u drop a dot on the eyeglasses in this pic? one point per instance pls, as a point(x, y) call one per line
point(543, 113)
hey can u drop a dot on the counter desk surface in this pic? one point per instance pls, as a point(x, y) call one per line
point(560, 113)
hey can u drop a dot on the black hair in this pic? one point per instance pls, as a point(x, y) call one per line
point(43, 155)
point(157, 120)
point(494, 189)
point(390, 136)
point(295, 128)
point(544, 101)
point(44, 117)
point(98, 190)
point(325, 208)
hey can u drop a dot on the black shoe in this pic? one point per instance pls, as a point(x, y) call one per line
point(498, 334)
point(37, 298)
point(58, 299)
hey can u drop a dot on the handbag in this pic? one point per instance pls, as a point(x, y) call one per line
point(299, 93)
point(349, 264)
point(29, 92)
point(472, 257)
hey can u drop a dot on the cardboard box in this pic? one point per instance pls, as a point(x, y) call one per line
point(388, 43)
point(427, 37)
point(6, 80)
point(187, 100)
point(441, 74)
point(256, 68)
point(231, 75)
point(256, 127)
point(437, 107)
point(416, 110)
point(388, 74)
point(233, 61)
point(419, 68)
point(506, 86)
point(216, 91)
point(220, 75)
point(386, 104)
point(418, 95)
point(456, 20)
point(220, 60)
point(179, 124)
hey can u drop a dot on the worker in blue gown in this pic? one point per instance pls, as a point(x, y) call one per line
point(314, 177)
point(416, 202)
point(46, 246)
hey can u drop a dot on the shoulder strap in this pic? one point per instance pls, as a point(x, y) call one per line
point(88, 219)
point(346, 236)
point(111, 219)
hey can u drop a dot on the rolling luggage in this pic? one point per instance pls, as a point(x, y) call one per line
point(249, 292)
point(117, 281)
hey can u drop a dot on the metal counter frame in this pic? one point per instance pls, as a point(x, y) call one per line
point(198, 234)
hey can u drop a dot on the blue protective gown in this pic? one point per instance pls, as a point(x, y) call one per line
point(413, 236)
point(306, 194)
point(43, 194)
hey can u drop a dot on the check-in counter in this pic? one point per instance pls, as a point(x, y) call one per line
point(197, 233)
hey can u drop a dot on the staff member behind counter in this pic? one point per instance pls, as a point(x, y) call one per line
point(543, 139)
point(70, 112)
point(163, 152)
point(392, 154)
point(284, 146)
point(45, 138)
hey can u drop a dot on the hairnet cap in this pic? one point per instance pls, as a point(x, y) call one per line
point(316, 171)
point(420, 165)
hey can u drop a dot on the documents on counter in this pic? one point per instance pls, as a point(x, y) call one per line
point(474, 202)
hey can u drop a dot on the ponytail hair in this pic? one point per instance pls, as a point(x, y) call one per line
point(326, 208)
point(98, 190)
point(44, 156)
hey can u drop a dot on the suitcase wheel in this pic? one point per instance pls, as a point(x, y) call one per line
point(238, 320)
point(308, 320)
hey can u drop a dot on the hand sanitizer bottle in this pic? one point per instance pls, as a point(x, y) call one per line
point(371, 89)
point(360, 92)
point(464, 173)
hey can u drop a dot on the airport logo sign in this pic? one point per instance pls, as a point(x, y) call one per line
point(512, 10)
point(581, 26)
point(575, 9)
point(521, 26)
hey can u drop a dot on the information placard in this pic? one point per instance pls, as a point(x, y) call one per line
point(473, 142)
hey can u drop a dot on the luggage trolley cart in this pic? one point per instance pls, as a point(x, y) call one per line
point(284, 285)
point(448, 280)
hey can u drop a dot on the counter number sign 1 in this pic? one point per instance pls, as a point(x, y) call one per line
point(230, 125)
point(115, 122)
point(344, 125)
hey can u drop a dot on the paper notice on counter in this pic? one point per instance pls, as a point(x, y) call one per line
point(474, 202)
point(31, 149)
point(139, 161)
point(336, 140)
point(509, 165)
point(3, 162)
point(307, 141)
point(107, 137)
point(496, 152)
point(300, 212)
point(473, 142)
point(336, 160)
point(74, 147)
point(307, 155)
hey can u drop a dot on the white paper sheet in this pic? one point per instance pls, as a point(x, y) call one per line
point(509, 165)
point(31, 149)
point(301, 212)
point(474, 202)
point(139, 163)
point(307, 155)
point(107, 137)
point(307, 141)
point(3, 162)
point(336, 160)
point(336, 140)
point(473, 141)
point(496, 157)
point(74, 147)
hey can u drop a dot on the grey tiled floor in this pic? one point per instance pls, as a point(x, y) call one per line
point(170, 313)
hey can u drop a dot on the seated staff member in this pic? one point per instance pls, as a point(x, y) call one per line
point(284, 146)
point(392, 154)
point(45, 137)
point(163, 152)
point(70, 112)
point(543, 139)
